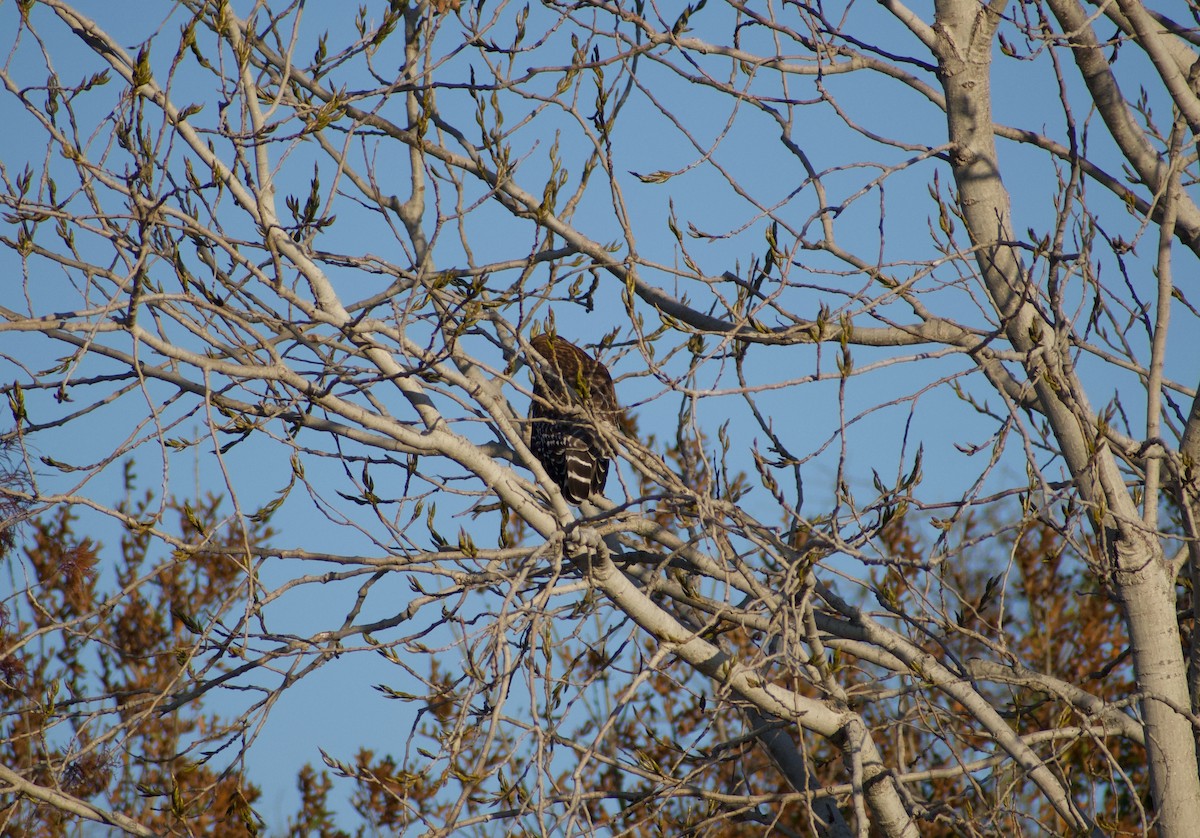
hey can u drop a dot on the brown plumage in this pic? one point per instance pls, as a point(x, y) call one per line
point(571, 393)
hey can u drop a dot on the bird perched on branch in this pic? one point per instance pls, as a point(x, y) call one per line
point(572, 392)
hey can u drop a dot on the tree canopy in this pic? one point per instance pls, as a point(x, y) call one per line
point(900, 533)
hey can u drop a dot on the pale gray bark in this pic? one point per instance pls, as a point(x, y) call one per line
point(1143, 579)
point(418, 376)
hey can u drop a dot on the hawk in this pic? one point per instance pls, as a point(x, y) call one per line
point(572, 392)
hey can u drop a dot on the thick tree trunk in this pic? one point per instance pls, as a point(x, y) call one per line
point(1143, 580)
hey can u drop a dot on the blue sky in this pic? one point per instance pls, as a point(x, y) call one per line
point(335, 708)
